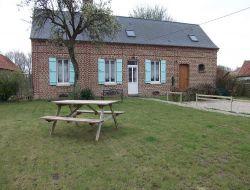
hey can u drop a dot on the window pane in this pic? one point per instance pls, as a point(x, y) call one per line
point(130, 74)
point(66, 71)
point(201, 68)
point(152, 71)
point(60, 71)
point(134, 75)
point(130, 33)
point(107, 71)
point(132, 62)
point(113, 71)
point(157, 69)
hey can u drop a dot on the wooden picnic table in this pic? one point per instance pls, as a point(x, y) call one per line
point(74, 107)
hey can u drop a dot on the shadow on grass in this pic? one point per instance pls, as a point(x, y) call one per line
point(87, 133)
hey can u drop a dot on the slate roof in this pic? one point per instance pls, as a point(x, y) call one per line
point(245, 69)
point(7, 64)
point(148, 32)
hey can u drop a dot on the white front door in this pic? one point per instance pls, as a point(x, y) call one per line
point(132, 79)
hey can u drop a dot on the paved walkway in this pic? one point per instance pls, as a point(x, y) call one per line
point(239, 108)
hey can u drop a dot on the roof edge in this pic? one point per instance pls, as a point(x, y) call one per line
point(41, 39)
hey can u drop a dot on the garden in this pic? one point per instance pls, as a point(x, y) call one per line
point(161, 146)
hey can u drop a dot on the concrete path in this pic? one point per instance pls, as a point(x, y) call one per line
point(239, 108)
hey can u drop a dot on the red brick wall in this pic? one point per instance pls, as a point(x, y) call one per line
point(87, 56)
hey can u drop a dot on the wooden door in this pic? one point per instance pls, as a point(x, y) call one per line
point(183, 76)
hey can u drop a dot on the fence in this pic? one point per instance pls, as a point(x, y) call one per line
point(176, 93)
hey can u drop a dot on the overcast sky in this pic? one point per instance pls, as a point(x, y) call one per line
point(230, 34)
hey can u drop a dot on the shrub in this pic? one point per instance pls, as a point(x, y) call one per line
point(239, 89)
point(190, 94)
point(24, 87)
point(175, 97)
point(222, 92)
point(86, 94)
point(9, 84)
point(227, 84)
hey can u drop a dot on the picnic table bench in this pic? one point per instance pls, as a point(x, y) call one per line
point(71, 119)
point(75, 105)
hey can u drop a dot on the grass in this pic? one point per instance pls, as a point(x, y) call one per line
point(159, 146)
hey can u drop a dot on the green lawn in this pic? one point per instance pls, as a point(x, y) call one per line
point(159, 146)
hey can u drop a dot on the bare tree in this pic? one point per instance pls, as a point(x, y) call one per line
point(29, 65)
point(156, 13)
point(22, 60)
point(70, 18)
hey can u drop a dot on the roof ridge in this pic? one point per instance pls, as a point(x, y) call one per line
point(130, 17)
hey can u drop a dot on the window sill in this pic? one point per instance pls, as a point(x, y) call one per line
point(63, 84)
point(110, 83)
point(155, 82)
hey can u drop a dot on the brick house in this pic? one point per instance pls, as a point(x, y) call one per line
point(244, 72)
point(6, 64)
point(145, 57)
point(244, 76)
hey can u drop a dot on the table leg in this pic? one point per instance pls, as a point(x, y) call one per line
point(93, 109)
point(100, 124)
point(73, 113)
point(54, 123)
point(113, 115)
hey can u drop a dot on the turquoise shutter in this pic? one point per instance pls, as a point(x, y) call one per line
point(119, 71)
point(163, 71)
point(52, 71)
point(147, 71)
point(101, 71)
point(71, 73)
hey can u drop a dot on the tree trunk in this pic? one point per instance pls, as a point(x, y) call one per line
point(71, 50)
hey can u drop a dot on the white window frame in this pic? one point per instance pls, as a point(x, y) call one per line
point(109, 62)
point(63, 83)
point(154, 70)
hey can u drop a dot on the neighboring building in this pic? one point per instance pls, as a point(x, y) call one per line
point(244, 73)
point(145, 58)
point(6, 64)
point(235, 72)
point(244, 76)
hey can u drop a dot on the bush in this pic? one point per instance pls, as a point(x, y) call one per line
point(222, 92)
point(86, 94)
point(175, 97)
point(228, 84)
point(9, 84)
point(239, 89)
point(190, 94)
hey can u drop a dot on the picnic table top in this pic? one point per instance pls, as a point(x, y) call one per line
point(85, 102)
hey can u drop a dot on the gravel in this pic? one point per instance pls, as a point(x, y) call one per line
point(242, 107)
point(239, 107)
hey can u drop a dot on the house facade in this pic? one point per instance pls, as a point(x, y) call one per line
point(147, 57)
